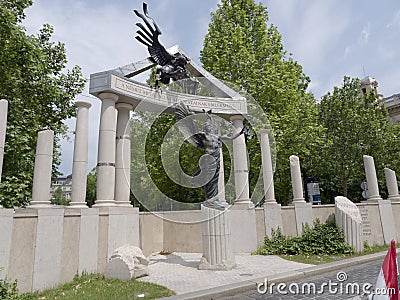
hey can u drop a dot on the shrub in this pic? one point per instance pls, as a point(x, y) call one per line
point(321, 239)
point(8, 290)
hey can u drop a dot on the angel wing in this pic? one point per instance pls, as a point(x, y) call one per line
point(188, 126)
point(149, 37)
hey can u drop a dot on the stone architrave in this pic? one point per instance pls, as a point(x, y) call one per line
point(348, 217)
point(42, 170)
point(372, 180)
point(127, 262)
point(297, 183)
point(80, 160)
point(217, 250)
point(123, 155)
point(392, 185)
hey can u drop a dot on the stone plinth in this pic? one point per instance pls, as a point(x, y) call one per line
point(303, 214)
point(372, 180)
point(392, 186)
point(6, 228)
point(272, 217)
point(387, 221)
point(80, 161)
point(43, 169)
point(348, 217)
point(217, 250)
point(297, 183)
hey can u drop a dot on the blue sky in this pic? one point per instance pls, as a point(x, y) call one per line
point(329, 38)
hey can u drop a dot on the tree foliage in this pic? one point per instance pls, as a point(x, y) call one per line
point(40, 94)
point(356, 125)
point(240, 47)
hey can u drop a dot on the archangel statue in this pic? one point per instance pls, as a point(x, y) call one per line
point(209, 140)
point(168, 66)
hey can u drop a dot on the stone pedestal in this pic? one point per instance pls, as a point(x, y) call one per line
point(391, 183)
point(304, 215)
point(80, 161)
point(105, 184)
point(42, 170)
point(272, 217)
point(297, 183)
point(123, 156)
point(242, 220)
point(6, 229)
point(372, 181)
point(217, 250)
point(348, 217)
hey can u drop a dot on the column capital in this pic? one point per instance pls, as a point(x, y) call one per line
point(123, 105)
point(83, 104)
point(110, 96)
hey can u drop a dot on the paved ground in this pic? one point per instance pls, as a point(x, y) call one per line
point(362, 275)
point(178, 271)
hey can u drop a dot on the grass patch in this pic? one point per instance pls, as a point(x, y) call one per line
point(95, 287)
point(322, 259)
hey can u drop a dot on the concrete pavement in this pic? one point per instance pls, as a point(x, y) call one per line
point(178, 272)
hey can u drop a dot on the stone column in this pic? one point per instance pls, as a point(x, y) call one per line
point(123, 156)
point(297, 182)
point(42, 170)
point(79, 167)
point(372, 181)
point(240, 164)
point(3, 127)
point(105, 184)
point(268, 173)
point(392, 186)
point(221, 178)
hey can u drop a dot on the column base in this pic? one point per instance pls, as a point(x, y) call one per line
point(243, 204)
point(40, 204)
point(225, 265)
point(123, 204)
point(77, 205)
point(393, 199)
point(104, 203)
point(299, 200)
point(374, 199)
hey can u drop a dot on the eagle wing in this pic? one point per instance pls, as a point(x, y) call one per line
point(188, 126)
point(149, 37)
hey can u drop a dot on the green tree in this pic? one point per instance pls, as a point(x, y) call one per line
point(59, 197)
point(355, 124)
point(40, 94)
point(241, 48)
point(91, 187)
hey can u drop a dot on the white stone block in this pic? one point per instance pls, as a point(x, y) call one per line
point(88, 240)
point(304, 215)
point(242, 222)
point(6, 227)
point(387, 221)
point(127, 262)
point(47, 262)
point(272, 217)
point(123, 227)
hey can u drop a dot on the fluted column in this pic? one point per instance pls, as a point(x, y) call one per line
point(105, 184)
point(3, 127)
point(123, 155)
point(42, 170)
point(372, 180)
point(392, 186)
point(80, 160)
point(240, 164)
point(268, 173)
point(297, 183)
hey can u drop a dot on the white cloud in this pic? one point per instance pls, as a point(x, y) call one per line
point(365, 34)
point(395, 22)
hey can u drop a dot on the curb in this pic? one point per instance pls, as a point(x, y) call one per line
point(249, 285)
